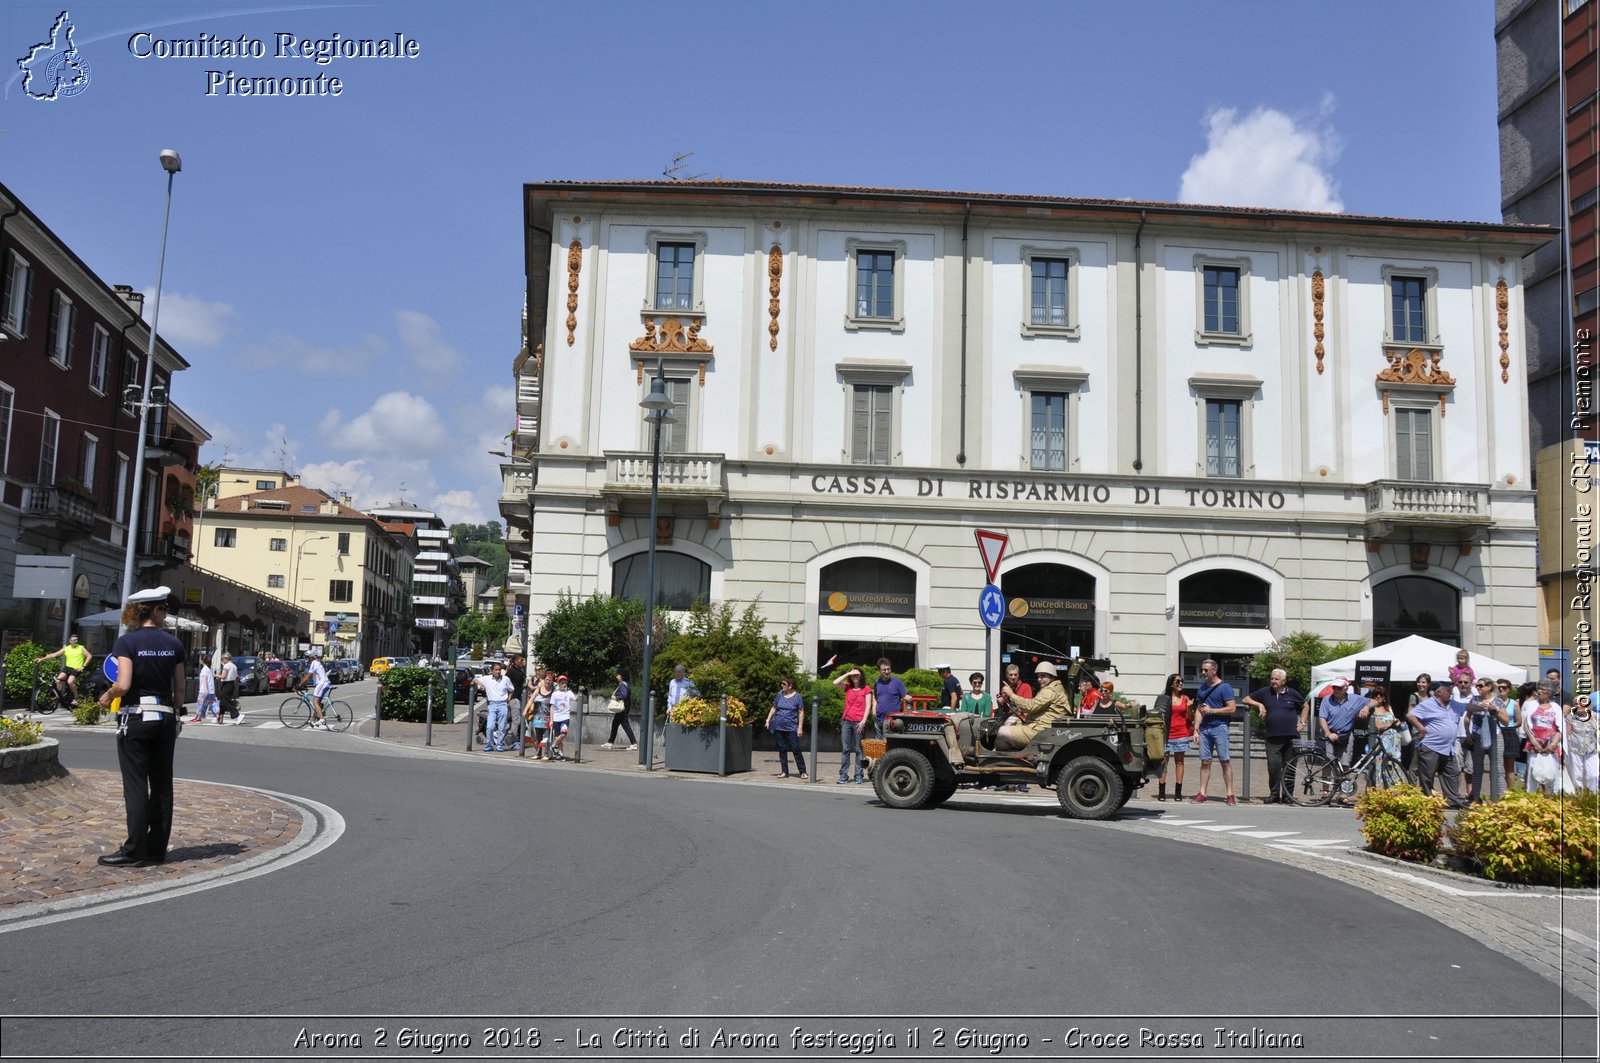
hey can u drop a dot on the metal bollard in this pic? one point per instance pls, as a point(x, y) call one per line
point(1249, 753)
point(427, 734)
point(472, 711)
point(814, 772)
point(722, 738)
point(1497, 768)
point(377, 713)
point(647, 755)
point(583, 712)
point(33, 696)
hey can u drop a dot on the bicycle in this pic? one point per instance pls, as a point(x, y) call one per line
point(295, 712)
point(1312, 778)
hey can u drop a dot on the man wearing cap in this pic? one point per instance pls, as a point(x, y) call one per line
point(1033, 714)
point(1433, 722)
point(950, 697)
point(150, 683)
point(1339, 715)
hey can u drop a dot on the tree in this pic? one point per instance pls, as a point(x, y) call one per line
point(725, 655)
point(587, 639)
point(1297, 653)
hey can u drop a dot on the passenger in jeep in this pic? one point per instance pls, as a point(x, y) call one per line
point(1033, 715)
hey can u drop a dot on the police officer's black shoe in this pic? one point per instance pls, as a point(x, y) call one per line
point(121, 859)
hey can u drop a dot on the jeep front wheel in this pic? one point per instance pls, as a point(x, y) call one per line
point(1089, 788)
point(904, 779)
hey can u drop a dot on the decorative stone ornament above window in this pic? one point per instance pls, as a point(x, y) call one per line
point(671, 341)
point(1414, 370)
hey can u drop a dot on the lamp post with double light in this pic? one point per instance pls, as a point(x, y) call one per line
point(171, 163)
point(658, 411)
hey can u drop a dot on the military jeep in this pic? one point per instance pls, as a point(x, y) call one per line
point(1095, 763)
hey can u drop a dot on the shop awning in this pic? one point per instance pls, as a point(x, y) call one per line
point(1234, 640)
point(867, 628)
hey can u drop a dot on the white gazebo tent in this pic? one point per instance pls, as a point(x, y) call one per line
point(1412, 656)
point(113, 617)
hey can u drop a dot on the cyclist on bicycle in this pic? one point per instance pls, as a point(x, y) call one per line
point(316, 678)
point(74, 659)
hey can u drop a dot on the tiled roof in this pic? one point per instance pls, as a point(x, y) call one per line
point(296, 499)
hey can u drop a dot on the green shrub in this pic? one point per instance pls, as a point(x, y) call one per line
point(734, 653)
point(1402, 822)
point(587, 639)
point(86, 713)
point(918, 681)
point(19, 670)
point(15, 732)
point(405, 695)
point(1531, 838)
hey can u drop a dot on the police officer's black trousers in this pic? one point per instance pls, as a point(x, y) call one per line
point(144, 752)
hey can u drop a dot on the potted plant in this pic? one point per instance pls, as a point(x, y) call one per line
point(693, 735)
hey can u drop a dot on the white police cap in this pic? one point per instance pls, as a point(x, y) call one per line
point(154, 594)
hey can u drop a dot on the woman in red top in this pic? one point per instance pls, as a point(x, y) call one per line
point(1177, 710)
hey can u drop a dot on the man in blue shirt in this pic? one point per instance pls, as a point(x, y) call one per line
point(888, 693)
point(950, 696)
point(1339, 714)
point(1214, 707)
point(1284, 713)
point(1434, 721)
point(680, 686)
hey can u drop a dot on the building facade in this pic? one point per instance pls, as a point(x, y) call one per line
point(1549, 114)
point(1199, 428)
point(350, 574)
point(435, 589)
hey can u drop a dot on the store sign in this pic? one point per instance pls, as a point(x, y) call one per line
point(429, 621)
point(868, 603)
point(1046, 609)
point(1061, 491)
point(1208, 614)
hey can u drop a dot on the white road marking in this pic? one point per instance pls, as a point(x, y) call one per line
point(1267, 833)
point(1312, 842)
point(1574, 935)
point(1165, 822)
point(1222, 826)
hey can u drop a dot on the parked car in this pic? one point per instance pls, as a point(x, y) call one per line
point(350, 669)
point(252, 677)
point(280, 676)
point(466, 672)
point(381, 665)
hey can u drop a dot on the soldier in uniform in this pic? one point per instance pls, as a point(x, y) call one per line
point(150, 683)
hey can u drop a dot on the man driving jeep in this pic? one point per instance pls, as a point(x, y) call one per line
point(1030, 716)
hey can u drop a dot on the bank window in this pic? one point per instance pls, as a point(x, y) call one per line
point(681, 580)
point(871, 424)
point(274, 582)
point(58, 337)
point(1222, 289)
point(674, 436)
point(1413, 444)
point(278, 544)
point(877, 300)
point(1223, 448)
point(99, 355)
point(225, 537)
point(16, 295)
point(1049, 292)
point(1048, 434)
point(341, 590)
point(1408, 311)
point(676, 279)
point(49, 441)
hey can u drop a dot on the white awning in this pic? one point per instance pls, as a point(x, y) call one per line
point(1233, 640)
point(867, 628)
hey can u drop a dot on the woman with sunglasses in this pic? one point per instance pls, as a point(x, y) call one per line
point(1510, 746)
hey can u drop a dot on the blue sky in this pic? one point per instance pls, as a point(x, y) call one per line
point(345, 274)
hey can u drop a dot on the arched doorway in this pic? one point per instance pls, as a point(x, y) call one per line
point(1049, 615)
point(681, 580)
point(866, 609)
point(1416, 605)
point(1224, 615)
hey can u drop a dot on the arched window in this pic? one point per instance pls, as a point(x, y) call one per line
point(1415, 605)
point(868, 586)
point(680, 579)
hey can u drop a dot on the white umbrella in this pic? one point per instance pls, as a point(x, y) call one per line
point(113, 617)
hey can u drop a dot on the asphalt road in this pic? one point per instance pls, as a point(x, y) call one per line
point(464, 887)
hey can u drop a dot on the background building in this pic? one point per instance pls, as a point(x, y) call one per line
point(437, 596)
point(1201, 428)
point(1549, 135)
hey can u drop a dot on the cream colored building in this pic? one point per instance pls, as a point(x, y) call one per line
point(350, 573)
point(1201, 428)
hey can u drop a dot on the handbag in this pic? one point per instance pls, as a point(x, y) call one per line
point(615, 705)
point(1405, 735)
point(1543, 768)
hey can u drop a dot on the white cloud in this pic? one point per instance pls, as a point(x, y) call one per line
point(461, 507)
point(280, 350)
point(1266, 159)
point(420, 339)
point(397, 424)
point(190, 321)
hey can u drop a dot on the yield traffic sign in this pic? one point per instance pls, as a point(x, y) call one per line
point(992, 545)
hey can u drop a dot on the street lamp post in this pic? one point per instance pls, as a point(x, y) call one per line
point(658, 411)
point(171, 163)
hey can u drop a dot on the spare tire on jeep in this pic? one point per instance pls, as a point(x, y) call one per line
point(1090, 788)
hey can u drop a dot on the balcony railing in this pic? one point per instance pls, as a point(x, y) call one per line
point(1395, 503)
point(163, 550)
point(692, 474)
point(56, 503)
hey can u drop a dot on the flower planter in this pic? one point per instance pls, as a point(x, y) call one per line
point(695, 749)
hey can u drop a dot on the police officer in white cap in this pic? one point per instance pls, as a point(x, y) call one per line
point(150, 684)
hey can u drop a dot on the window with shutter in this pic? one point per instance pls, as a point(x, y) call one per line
point(49, 440)
point(17, 295)
point(1413, 444)
point(871, 428)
